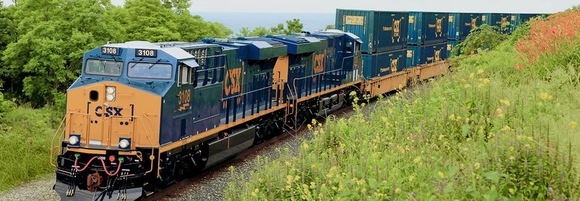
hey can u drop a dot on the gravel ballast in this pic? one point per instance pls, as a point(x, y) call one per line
point(39, 189)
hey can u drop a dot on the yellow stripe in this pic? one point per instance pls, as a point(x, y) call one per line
point(218, 129)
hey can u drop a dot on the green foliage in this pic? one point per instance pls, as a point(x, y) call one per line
point(330, 26)
point(292, 26)
point(25, 149)
point(53, 35)
point(484, 37)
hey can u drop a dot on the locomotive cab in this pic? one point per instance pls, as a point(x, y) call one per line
point(113, 115)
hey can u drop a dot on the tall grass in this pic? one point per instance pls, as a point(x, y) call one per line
point(490, 131)
point(25, 136)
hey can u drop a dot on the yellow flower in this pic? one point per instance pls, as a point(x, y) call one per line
point(411, 178)
point(287, 163)
point(506, 128)
point(573, 125)
point(463, 80)
point(512, 158)
point(477, 165)
point(486, 81)
point(505, 102)
point(309, 126)
point(512, 191)
point(398, 190)
point(544, 96)
point(452, 117)
point(531, 183)
point(479, 72)
point(441, 175)
point(417, 160)
point(441, 137)
point(471, 75)
point(467, 86)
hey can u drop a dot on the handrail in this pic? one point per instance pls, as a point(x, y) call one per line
point(52, 141)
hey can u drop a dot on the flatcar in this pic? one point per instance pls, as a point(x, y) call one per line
point(143, 115)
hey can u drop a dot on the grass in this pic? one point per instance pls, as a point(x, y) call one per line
point(492, 130)
point(25, 136)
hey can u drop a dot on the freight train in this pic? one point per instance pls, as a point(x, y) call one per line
point(143, 115)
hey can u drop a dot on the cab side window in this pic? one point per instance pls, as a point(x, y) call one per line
point(184, 75)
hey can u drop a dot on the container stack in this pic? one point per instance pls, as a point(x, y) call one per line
point(427, 36)
point(384, 36)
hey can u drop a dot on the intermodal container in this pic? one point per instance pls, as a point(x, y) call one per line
point(461, 24)
point(417, 55)
point(450, 45)
point(486, 19)
point(504, 21)
point(380, 31)
point(384, 63)
point(427, 28)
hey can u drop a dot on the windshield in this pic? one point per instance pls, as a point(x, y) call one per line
point(150, 70)
point(104, 67)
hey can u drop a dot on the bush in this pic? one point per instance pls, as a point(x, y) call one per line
point(25, 136)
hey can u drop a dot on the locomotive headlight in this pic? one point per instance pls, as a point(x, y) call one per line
point(110, 94)
point(124, 143)
point(74, 140)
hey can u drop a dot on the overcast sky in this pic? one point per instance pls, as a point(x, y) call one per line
point(329, 6)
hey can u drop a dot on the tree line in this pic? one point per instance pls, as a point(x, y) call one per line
point(42, 42)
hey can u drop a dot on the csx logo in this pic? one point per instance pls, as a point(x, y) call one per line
point(437, 55)
point(233, 86)
point(394, 65)
point(319, 63)
point(108, 112)
point(396, 28)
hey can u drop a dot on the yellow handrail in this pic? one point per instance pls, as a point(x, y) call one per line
point(52, 141)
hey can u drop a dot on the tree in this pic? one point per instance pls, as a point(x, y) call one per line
point(149, 20)
point(53, 35)
point(178, 6)
point(330, 26)
point(294, 26)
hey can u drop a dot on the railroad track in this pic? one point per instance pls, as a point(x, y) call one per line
point(173, 190)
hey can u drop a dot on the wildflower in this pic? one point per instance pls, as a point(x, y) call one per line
point(305, 145)
point(512, 158)
point(479, 72)
point(441, 174)
point(544, 96)
point(573, 125)
point(309, 126)
point(506, 128)
point(411, 178)
point(287, 163)
point(471, 75)
point(477, 165)
point(486, 81)
point(531, 183)
point(433, 181)
point(413, 194)
point(398, 190)
point(417, 160)
point(467, 86)
point(441, 137)
point(550, 189)
point(452, 117)
point(512, 191)
point(505, 102)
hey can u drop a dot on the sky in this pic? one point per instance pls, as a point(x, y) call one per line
point(329, 6)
